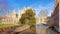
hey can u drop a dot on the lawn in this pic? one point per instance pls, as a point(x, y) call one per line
point(6, 25)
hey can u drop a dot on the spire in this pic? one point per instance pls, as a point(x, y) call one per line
point(29, 8)
point(14, 11)
point(19, 10)
point(24, 8)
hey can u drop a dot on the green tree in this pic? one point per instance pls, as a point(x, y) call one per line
point(28, 17)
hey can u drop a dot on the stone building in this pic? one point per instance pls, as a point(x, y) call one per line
point(10, 18)
point(42, 19)
point(49, 21)
point(56, 16)
point(13, 18)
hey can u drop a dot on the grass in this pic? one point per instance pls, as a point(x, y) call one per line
point(6, 25)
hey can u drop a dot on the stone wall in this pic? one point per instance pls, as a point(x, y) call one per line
point(7, 30)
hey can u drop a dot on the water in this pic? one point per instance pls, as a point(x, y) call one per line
point(42, 29)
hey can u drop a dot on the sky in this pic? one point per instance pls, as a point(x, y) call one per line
point(37, 5)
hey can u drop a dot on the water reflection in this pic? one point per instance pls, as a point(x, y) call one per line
point(42, 29)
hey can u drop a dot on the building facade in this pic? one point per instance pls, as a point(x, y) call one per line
point(42, 20)
point(14, 18)
point(55, 16)
point(49, 21)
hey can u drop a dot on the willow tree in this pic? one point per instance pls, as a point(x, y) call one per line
point(28, 17)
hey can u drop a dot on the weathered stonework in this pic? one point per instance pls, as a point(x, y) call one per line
point(14, 18)
point(8, 30)
point(56, 15)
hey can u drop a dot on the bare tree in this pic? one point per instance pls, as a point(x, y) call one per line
point(43, 13)
point(3, 7)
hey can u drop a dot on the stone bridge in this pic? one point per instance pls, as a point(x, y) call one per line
point(20, 29)
point(13, 29)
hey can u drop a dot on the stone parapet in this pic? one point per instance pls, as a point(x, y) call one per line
point(7, 30)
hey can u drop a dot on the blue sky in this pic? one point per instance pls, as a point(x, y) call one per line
point(35, 4)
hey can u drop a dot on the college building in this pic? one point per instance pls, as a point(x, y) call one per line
point(56, 16)
point(13, 18)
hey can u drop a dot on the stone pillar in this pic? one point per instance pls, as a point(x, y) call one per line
point(19, 15)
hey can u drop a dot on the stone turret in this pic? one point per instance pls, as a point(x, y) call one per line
point(14, 13)
point(29, 8)
point(24, 8)
point(20, 12)
point(19, 15)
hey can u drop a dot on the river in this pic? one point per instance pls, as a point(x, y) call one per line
point(42, 29)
